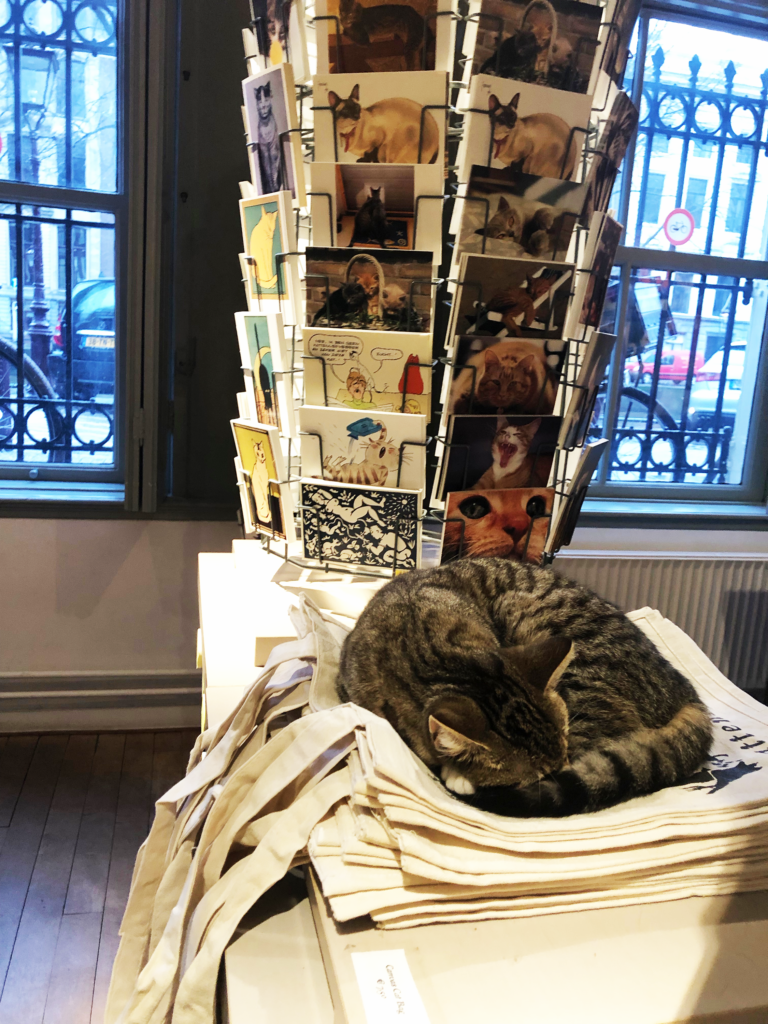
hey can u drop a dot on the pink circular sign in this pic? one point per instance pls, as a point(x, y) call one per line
point(679, 226)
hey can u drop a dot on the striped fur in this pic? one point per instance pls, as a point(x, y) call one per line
point(544, 698)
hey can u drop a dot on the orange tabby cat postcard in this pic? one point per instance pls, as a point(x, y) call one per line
point(509, 523)
point(261, 458)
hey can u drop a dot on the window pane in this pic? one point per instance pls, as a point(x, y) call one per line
point(58, 93)
point(57, 338)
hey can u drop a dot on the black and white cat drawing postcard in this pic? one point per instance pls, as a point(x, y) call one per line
point(375, 449)
point(369, 289)
point(274, 142)
point(510, 523)
point(388, 118)
point(261, 458)
point(363, 526)
point(392, 206)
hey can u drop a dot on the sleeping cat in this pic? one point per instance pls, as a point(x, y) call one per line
point(509, 377)
point(371, 219)
point(347, 302)
point(513, 463)
point(528, 224)
point(528, 693)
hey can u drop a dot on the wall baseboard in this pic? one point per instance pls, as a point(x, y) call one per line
point(99, 701)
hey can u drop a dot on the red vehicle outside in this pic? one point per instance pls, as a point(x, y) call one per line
point(674, 365)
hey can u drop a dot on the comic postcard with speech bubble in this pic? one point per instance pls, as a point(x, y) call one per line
point(368, 370)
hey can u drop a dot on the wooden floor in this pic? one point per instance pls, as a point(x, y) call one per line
point(73, 812)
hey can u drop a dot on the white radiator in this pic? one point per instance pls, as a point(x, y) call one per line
point(721, 602)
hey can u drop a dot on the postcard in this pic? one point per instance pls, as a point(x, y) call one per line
point(591, 373)
point(369, 289)
point(381, 449)
point(375, 36)
point(509, 523)
point(540, 131)
point(274, 142)
point(619, 22)
point(390, 118)
point(368, 370)
point(258, 448)
point(273, 285)
point(567, 511)
point(611, 147)
point(247, 508)
point(364, 526)
point(264, 361)
point(277, 36)
point(603, 254)
point(392, 206)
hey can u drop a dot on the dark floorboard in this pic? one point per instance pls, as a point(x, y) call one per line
point(73, 812)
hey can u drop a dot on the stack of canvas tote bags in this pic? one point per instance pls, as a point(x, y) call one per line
point(273, 786)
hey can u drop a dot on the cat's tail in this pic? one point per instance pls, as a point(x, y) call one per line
point(642, 762)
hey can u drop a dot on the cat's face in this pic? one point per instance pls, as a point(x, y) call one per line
point(511, 443)
point(381, 453)
point(504, 385)
point(538, 22)
point(484, 524)
point(504, 118)
point(259, 455)
point(264, 101)
point(346, 114)
point(369, 282)
point(394, 299)
point(353, 294)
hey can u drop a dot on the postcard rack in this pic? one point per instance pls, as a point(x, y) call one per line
point(395, 552)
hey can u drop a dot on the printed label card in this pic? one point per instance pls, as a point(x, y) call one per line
point(376, 36)
point(273, 285)
point(396, 118)
point(277, 36)
point(392, 206)
point(369, 289)
point(264, 361)
point(364, 526)
point(351, 447)
point(261, 459)
point(497, 524)
point(270, 112)
point(368, 370)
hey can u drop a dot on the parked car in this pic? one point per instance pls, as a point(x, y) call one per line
point(92, 339)
point(673, 368)
point(703, 402)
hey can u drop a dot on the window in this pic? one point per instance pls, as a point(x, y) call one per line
point(660, 144)
point(694, 198)
point(736, 203)
point(653, 194)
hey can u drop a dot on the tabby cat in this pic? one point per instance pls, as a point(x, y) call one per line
point(528, 693)
point(508, 377)
point(381, 459)
point(514, 465)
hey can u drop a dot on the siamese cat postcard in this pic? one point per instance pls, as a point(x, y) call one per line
point(258, 448)
point(264, 361)
point(368, 205)
point(369, 289)
point(364, 526)
point(277, 36)
point(376, 449)
point(270, 111)
point(374, 36)
point(546, 42)
point(489, 453)
point(368, 370)
point(510, 523)
point(511, 297)
point(268, 231)
point(537, 130)
point(389, 118)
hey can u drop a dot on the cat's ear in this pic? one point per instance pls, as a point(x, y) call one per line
point(532, 427)
point(355, 94)
point(543, 662)
point(503, 204)
point(457, 726)
point(514, 101)
point(333, 100)
point(493, 103)
point(501, 423)
point(491, 359)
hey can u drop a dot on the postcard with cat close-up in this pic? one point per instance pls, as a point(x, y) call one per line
point(502, 297)
point(270, 111)
point(264, 361)
point(390, 118)
point(364, 526)
point(528, 126)
point(261, 458)
point(368, 370)
point(547, 42)
point(369, 289)
point(489, 453)
point(375, 36)
point(365, 205)
point(510, 523)
point(274, 285)
point(352, 447)
point(508, 213)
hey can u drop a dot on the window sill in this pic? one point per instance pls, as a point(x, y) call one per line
point(60, 490)
point(666, 515)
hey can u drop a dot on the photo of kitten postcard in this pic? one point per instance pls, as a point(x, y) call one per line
point(369, 289)
point(498, 452)
point(270, 110)
point(267, 231)
point(513, 376)
point(547, 42)
point(264, 360)
point(604, 254)
point(497, 524)
point(507, 213)
point(368, 370)
point(605, 162)
point(381, 118)
point(258, 448)
point(369, 205)
point(510, 297)
point(528, 126)
point(353, 447)
point(363, 526)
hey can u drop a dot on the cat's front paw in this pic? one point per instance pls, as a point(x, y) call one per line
point(456, 782)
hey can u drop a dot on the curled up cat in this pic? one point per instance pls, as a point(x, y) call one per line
point(527, 693)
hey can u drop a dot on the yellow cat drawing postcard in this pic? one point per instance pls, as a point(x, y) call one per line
point(267, 233)
point(262, 462)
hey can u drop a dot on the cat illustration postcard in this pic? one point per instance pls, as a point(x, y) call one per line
point(364, 526)
point(375, 449)
point(273, 285)
point(389, 118)
point(369, 289)
point(509, 523)
point(264, 362)
point(377, 205)
point(258, 448)
point(537, 130)
point(376, 36)
point(274, 143)
point(368, 370)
